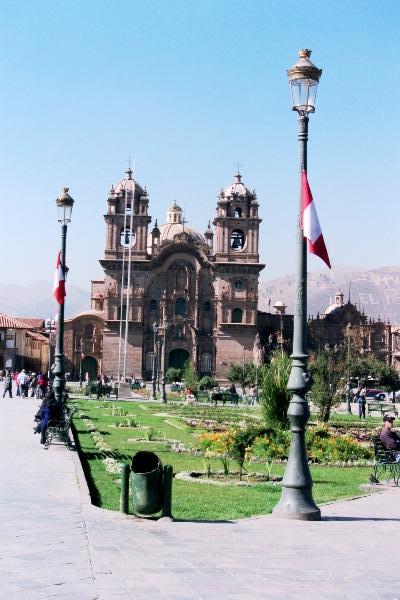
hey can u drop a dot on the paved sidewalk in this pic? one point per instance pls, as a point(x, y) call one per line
point(54, 544)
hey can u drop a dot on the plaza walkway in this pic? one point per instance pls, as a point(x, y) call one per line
point(54, 544)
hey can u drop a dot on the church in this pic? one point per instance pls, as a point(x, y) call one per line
point(170, 293)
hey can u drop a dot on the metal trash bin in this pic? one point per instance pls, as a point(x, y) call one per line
point(147, 483)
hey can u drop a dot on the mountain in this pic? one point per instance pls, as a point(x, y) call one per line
point(376, 291)
point(36, 300)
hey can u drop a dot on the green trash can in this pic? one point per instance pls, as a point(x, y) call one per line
point(147, 483)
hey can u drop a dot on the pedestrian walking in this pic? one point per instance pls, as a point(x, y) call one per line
point(362, 402)
point(8, 385)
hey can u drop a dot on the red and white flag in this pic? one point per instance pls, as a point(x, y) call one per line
point(310, 222)
point(59, 281)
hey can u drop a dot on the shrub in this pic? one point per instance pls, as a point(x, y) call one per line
point(207, 383)
point(274, 397)
point(173, 374)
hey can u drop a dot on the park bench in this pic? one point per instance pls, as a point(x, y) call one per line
point(60, 428)
point(224, 397)
point(384, 463)
point(383, 408)
point(108, 390)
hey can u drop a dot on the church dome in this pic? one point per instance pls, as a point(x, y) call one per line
point(170, 230)
point(339, 302)
point(175, 227)
point(237, 187)
point(128, 184)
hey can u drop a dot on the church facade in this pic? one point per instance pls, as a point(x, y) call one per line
point(173, 293)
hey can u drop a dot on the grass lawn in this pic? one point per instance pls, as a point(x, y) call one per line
point(161, 429)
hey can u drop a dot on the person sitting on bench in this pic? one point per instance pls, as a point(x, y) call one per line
point(49, 410)
point(390, 439)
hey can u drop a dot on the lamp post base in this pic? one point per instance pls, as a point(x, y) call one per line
point(297, 505)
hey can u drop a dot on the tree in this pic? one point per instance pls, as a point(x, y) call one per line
point(190, 376)
point(173, 374)
point(244, 374)
point(326, 370)
point(207, 383)
point(274, 397)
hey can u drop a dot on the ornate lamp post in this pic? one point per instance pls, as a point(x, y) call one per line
point(153, 396)
point(296, 500)
point(164, 362)
point(64, 209)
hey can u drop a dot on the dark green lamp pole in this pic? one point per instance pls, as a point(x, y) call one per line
point(296, 500)
point(164, 362)
point(64, 209)
point(153, 396)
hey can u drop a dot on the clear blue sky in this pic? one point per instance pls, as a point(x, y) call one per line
point(191, 88)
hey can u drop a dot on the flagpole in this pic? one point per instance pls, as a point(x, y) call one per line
point(296, 501)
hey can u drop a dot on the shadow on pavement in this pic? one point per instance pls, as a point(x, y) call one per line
point(338, 518)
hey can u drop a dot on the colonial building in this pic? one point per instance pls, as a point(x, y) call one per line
point(340, 321)
point(199, 290)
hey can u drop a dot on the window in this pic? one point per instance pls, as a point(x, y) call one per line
point(207, 306)
point(153, 304)
point(238, 285)
point(123, 317)
point(237, 240)
point(89, 331)
point(237, 315)
point(150, 358)
point(126, 237)
point(180, 306)
point(206, 363)
point(238, 212)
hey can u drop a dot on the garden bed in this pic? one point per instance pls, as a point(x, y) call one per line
point(104, 448)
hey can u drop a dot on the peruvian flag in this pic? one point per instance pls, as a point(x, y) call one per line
point(311, 227)
point(59, 281)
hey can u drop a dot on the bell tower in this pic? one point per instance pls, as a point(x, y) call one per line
point(127, 220)
point(237, 270)
point(237, 224)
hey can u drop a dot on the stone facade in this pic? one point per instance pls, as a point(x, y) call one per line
point(201, 291)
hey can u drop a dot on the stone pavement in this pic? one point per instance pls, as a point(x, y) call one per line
point(54, 544)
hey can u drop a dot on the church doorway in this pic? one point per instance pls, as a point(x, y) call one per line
point(177, 358)
point(89, 365)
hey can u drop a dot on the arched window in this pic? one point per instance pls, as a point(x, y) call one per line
point(150, 361)
point(89, 332)
point(123, 316)
point(180, 306)
point(206, 363)
point(126, 237)
point(237, 240)
point(237, 315)
point(238, 212)
point(207, 306)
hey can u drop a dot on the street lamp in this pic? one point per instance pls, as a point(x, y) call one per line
point(164, 362)
point(64, 210)
point(153, 396)
point(296, 501)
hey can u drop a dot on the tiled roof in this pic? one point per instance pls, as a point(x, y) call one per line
point(35, 323)
point(11, 323)
point(37, 336)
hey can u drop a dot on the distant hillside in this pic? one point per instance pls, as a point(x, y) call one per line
point(376, 291)
point(36, 300)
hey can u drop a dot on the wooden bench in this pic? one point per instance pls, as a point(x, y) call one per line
point(383, 408)
point(224, 397)
point(60, 429)
point(384, 463)
point(107, 391)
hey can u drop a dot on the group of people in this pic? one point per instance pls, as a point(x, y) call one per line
point(27, 383)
